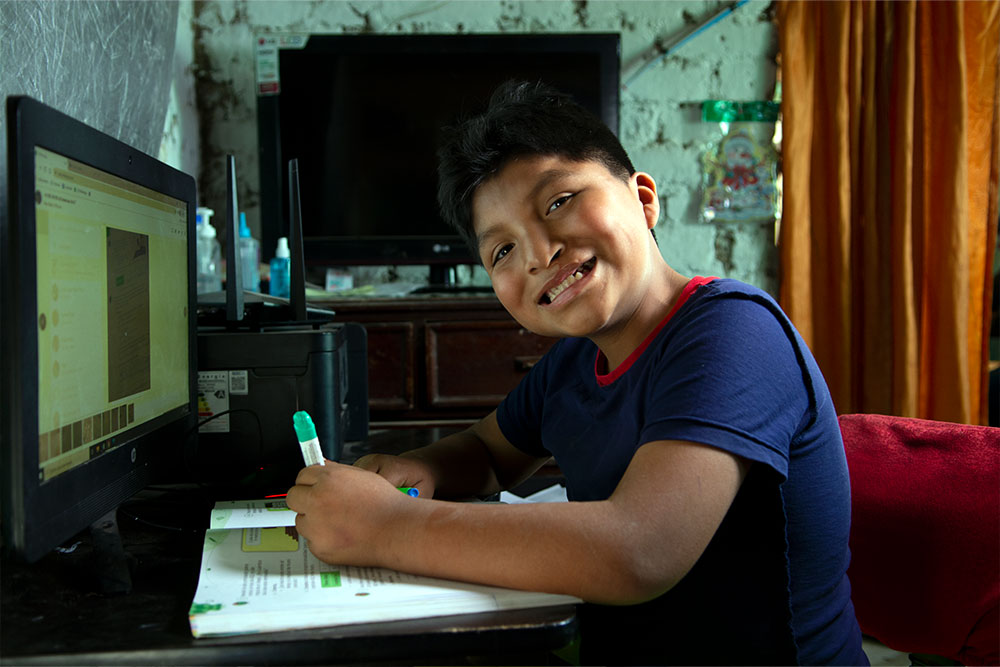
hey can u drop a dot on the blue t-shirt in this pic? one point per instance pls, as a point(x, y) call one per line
point(726, 368)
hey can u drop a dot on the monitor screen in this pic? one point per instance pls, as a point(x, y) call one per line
point(98, 338)
point(364, 116)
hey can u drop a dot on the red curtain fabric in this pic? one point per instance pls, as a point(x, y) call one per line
point(890, 151)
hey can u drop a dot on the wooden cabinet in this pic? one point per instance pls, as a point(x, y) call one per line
point(435, 360)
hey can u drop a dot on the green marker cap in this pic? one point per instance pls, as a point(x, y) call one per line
point(305, 430)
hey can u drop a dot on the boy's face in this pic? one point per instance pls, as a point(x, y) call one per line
point(567, 244)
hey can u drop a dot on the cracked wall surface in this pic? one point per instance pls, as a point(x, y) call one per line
point(661, 124)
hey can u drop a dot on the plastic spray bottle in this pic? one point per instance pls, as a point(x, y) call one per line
point(281, 272)
point(209, 253)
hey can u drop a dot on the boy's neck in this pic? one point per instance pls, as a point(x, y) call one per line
point(664, 292)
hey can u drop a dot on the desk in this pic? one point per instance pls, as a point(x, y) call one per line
point(50, 614)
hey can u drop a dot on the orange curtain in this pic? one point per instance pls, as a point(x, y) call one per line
point(890, 152)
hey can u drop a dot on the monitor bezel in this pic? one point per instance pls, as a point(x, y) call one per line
point(419, 249)
point(38, 516)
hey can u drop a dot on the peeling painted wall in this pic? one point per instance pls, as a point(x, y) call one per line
point(660, 115)
point(180, 146)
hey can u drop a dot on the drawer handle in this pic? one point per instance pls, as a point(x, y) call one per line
point(525, 364)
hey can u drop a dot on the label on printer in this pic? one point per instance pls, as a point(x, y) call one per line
point(213, 398)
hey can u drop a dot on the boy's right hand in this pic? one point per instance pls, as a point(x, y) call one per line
point(401, 471)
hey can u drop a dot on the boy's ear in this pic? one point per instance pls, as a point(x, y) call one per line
point(646, 189)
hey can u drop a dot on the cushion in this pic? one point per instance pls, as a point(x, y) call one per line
point(925, 534)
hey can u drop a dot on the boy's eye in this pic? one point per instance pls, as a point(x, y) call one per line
point(558, 202)
point(502, 252)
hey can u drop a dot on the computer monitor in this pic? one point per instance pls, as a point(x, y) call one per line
point(98, 339)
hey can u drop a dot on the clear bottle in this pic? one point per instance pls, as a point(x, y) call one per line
point(281, 270)
point(209, 253)
point(249, 257)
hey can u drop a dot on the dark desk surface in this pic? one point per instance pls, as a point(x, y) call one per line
point(51, 613)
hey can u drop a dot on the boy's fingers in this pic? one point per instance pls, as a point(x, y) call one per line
point(311, 474)
point(294, 499)
point(368, 462)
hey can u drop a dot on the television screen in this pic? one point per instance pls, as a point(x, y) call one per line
point(98, 351)
point(364, 114)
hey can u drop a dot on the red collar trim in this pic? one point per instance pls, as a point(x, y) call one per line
point(601, 360)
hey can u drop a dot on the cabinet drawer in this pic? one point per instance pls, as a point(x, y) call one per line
point(390, 365)
point(475, 364)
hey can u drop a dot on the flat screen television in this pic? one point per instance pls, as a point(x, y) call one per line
point(363, 115)
point(98, 342)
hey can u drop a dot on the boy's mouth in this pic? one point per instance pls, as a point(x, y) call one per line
point(550, 295)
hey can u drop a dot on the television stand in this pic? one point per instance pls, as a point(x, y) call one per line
point(439, 355)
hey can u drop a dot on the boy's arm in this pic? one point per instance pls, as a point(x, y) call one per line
point(629, 548)
point(476, 462)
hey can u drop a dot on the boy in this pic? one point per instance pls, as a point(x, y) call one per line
point(710, 505)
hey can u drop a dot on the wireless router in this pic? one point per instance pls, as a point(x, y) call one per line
point(263, 358)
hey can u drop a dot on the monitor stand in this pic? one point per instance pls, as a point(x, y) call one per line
point(441, 281)
point(110, 563)
point(442, 276)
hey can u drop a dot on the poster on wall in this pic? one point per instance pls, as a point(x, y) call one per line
point(740, 168)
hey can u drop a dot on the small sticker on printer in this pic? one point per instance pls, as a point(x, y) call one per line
point(239, 383)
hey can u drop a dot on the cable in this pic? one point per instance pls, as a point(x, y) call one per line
point(188, 465)
point(670, 50)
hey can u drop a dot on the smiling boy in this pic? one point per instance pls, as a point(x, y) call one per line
point(709, 499)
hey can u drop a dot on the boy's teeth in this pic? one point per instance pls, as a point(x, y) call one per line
point(561, 287)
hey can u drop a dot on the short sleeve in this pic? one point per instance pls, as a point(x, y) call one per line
point(731, 377)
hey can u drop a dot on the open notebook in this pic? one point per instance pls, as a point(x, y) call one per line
point(258, 575)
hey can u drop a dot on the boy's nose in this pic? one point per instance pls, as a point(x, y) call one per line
point(544, 248)
point(543, 263)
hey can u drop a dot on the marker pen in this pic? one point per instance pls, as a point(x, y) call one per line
point(411, 491)
point(305, 431)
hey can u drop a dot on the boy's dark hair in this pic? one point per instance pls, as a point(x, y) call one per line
point(522, 119)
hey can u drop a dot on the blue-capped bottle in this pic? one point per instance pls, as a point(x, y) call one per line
point(281, 270)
